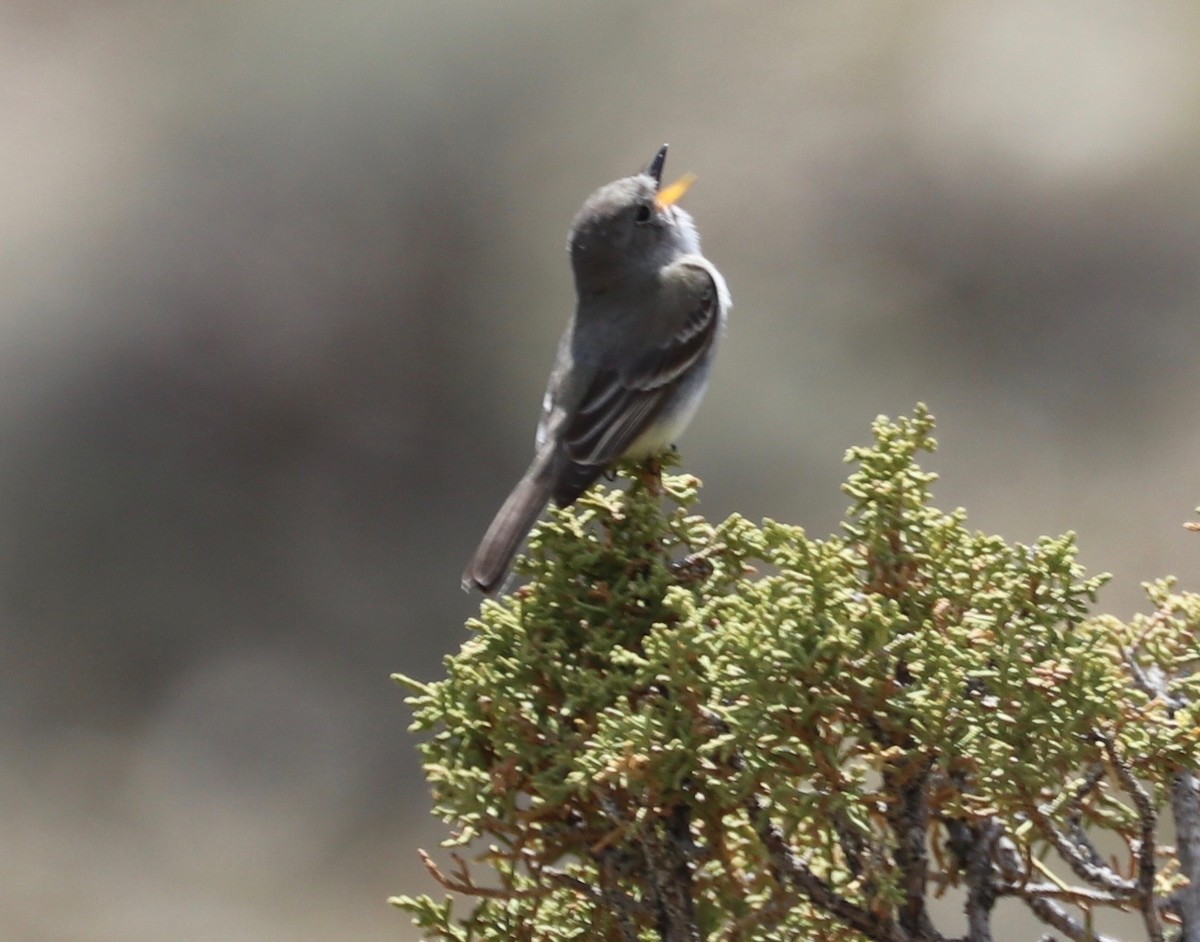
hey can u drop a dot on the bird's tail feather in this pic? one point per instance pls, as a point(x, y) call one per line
point(490, 564)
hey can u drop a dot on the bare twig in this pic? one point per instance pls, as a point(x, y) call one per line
point(851, 840)
point(1185, 809)
point(1051, 913)
point(1141, 677)
point(1146, 845)
point(1074, 815)
point(1078, 836)
point(461, 882)
point(790, 871)
point(670, 876)
point(1096, 873)
point(624, 906)
point(909, 818)
point(973, 844)
point(1080, 895)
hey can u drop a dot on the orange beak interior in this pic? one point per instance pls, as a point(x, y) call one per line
point(672, 194)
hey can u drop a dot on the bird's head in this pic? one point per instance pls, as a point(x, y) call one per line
point(631, 228)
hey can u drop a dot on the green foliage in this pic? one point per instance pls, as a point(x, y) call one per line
point(743, 727)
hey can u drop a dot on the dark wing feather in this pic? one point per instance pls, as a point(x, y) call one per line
point(621, 403)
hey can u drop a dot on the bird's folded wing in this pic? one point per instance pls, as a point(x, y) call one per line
point(622, 402)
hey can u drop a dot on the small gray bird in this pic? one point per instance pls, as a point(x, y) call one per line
point(634, 361)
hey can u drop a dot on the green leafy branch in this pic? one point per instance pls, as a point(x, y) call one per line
point(678, 730)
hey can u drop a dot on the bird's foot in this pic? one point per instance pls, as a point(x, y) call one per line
point(650, 475)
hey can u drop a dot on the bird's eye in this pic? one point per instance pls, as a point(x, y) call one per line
point(643, 213)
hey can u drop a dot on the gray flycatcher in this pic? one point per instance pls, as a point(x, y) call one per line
point(634, 361)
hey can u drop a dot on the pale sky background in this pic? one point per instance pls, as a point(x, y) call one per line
point(283, 282)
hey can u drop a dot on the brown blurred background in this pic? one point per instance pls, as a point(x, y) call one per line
point(281, 286)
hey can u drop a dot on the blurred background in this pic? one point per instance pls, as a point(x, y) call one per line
point(281, 286)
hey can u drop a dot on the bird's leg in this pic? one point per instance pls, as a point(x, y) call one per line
point(650, 475)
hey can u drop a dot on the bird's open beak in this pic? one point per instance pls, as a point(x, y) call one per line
point(656, 165)
point(672, 194)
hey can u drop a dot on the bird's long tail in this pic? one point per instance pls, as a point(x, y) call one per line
point(490, 564)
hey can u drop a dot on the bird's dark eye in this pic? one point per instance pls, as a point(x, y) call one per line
point(643, 213)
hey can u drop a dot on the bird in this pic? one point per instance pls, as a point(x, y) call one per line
point(633, 363)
